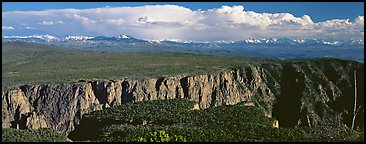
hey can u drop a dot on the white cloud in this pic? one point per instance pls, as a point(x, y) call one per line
point(30, 27)
point(177, 22)
point(50, 22)
point(82, 19)
point(7, 28)
point(46, 23)
point(114, 21)
point(61, 22)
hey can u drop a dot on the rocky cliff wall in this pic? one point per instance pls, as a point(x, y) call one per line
point(290, 92)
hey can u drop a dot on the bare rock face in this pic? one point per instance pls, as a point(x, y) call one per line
point(36, 121)
point(196, 107)
point(61, 107)
point(249, 104)
point(19, 104)
point(276, 124)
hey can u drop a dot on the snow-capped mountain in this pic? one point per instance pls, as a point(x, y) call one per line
point(301, 41)
point(77, 38)
point(260, 41)
point(271, 42)
point(263, 47)
point(32, 38)
point(50, 38)
point(119, 38)
point(357, 42)
point(124, 37)
point(331, 43)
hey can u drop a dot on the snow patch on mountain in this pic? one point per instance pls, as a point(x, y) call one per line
point(124, 36)
point(47, 37)
point(76, 38)
point(331, 43)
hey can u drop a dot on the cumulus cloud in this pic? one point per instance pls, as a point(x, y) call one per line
point(7, 28)
point(155, 22)
point(79, 18)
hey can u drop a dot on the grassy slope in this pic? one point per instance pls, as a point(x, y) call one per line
point(37, 63)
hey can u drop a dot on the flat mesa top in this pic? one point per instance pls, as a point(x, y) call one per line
point(24, 62)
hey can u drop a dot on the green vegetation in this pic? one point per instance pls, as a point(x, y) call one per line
point(175, 120)
point(160, 136)
point(37, 63)
point(24, 62)
point(39, 135)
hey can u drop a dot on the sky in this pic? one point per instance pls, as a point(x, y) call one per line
point(197, 21)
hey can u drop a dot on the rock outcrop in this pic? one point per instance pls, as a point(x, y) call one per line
point(286, 91)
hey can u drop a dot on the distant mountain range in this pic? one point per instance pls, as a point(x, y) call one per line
point(282, 48)
point(130, 39)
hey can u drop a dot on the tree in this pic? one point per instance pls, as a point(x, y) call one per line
point(355, 103)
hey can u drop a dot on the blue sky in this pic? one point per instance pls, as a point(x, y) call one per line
point(186, 20)
point(319, 11)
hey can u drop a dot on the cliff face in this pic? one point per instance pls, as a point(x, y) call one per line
point(289, 92)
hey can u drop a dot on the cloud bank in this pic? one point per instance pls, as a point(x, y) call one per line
point(156, 22)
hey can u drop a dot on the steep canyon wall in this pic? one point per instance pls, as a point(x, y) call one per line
point(294, 93)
